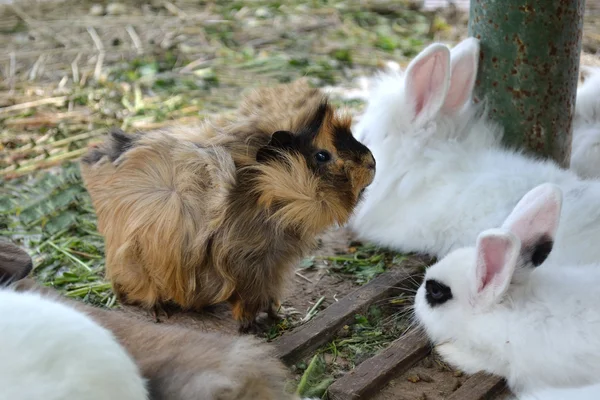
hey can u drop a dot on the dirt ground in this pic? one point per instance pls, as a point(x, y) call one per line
point(429, 379)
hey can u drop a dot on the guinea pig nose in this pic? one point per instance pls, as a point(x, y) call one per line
point(371, 165)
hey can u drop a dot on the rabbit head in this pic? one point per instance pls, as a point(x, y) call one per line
point(429, 98)
point(467, 291)
point(418, 124)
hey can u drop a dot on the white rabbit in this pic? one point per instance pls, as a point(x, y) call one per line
point(585, 154)
point(443, 175)
point(50, 351)
point(178, 363)
point(487, 307)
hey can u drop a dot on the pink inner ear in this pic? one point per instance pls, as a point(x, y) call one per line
point(464, 57)
point(532, 226)
point(427, 80)
point(537, 214)
point(462, 82)
point(493, 257)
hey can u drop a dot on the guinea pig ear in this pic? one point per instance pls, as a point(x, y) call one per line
point(117, 143)
point(427, 80)
point(15, 263)
point(464, 63)
point(279, 140)
point(497, 253)
point(534, 220)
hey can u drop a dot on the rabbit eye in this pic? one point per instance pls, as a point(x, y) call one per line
point(322, 156)
point(437, 293)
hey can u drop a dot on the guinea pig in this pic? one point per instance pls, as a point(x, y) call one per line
point(178, 363)
point(185, 364)
point(223, 211)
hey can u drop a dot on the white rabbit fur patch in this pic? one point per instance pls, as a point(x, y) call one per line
point(590, 392)
point(486, 308)
point(443, 178)
point(52, 352)
point(585, 153)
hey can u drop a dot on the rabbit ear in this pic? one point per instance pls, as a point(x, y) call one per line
point(427, 80)
point(497, 253)
point(15, 263)
point(534, 220)
point(465, 60)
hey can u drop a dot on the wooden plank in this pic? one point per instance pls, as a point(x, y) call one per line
point(480, 386)
point(372, 374)
point(293, 346)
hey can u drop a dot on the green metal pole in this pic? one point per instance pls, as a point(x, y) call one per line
point(528, 71)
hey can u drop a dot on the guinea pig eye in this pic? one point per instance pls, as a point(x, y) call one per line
point(437, 293)
point(322, 156)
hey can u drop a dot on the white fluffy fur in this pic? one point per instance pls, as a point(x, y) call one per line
point(590, 392)
point(49, 351)
point(442, 180)
point(536, 327)
point(585, 154)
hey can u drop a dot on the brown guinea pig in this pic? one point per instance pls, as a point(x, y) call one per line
point(223, 211)
point(178, 363)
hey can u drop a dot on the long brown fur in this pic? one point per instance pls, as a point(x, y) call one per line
point(178, 363)
point(223, 211)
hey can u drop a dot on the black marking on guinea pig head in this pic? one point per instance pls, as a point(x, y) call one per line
point(280, 140)
point(437, 293)
point(117, 143)
point(333, 153)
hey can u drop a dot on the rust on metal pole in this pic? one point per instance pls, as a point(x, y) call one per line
point(528, 72)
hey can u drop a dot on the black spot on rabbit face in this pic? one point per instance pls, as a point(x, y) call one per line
point(117, 144)
point(541, 251)
point(436, 293)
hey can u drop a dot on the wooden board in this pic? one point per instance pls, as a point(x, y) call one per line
point(375, 372)
point(293, 346)
point(480, 386)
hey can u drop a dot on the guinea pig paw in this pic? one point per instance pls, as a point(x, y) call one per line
point(273, 311)
point(250, 328)
point(262, 323)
